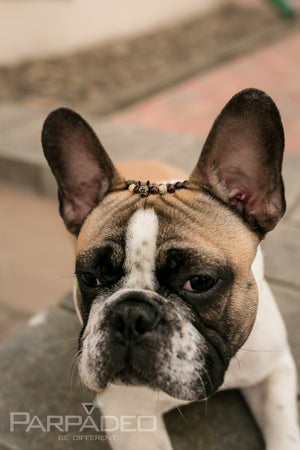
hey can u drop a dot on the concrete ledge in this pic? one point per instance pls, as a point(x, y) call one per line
point(22, 162)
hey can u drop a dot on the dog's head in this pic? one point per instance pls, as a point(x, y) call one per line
point(165, 291)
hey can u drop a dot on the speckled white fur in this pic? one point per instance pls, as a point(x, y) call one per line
point(182, 370)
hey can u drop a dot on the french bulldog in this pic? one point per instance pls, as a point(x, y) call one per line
point(170, 286)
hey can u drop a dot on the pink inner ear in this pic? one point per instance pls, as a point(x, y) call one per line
point(244, 199)
point(241, 190)
point(236, 196)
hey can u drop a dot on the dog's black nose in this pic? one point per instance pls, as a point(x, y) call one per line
point(131, 319)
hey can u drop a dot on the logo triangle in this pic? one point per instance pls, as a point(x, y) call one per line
point(88, 407)
point(98, 402)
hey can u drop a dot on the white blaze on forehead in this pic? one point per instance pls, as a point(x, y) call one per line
point(140, 249)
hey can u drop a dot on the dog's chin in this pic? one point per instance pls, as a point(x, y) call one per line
point(195, 384)
point(131, 377)
point(195, 390)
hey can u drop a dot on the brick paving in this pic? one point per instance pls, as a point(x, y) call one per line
point(192, 106)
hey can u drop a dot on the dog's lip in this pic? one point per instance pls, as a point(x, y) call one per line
point(131, 372)
point(129, 375)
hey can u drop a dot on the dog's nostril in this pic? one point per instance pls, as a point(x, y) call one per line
point(144, 324)
point(139, 326)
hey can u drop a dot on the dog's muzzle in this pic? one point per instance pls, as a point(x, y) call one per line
point(137, 338)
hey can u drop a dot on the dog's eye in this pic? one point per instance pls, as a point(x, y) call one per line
point(89, 279)
point(200, 283)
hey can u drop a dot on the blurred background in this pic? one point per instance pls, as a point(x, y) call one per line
point(150, 77)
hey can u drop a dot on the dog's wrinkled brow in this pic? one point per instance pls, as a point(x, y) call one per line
point(109, 253)
point(176, 258)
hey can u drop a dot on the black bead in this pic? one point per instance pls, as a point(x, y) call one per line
point(179, 185)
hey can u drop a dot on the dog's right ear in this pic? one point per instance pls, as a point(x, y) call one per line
point(241, 160)
point(82, 168)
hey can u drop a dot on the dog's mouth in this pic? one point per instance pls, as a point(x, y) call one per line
point(137, 367)
point(131, 376)
point(162, 382)
point(131, 366)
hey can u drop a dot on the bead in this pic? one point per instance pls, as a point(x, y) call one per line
point(171, 188)
point(144, 189)
point(129, 182)
point(153, 189)
point(162, 189)
point(132, 187)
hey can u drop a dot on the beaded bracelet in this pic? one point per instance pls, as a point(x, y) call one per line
point(144, 189)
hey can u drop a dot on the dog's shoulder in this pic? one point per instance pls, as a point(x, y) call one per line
point(267, 341)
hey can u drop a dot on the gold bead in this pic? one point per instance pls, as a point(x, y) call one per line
point(162, 189)
point(131, 187)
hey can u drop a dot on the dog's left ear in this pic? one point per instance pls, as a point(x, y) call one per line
point(82, 168)
point(241, 160)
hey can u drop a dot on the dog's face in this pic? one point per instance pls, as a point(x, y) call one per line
point(165, 300)
point(165, 291)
